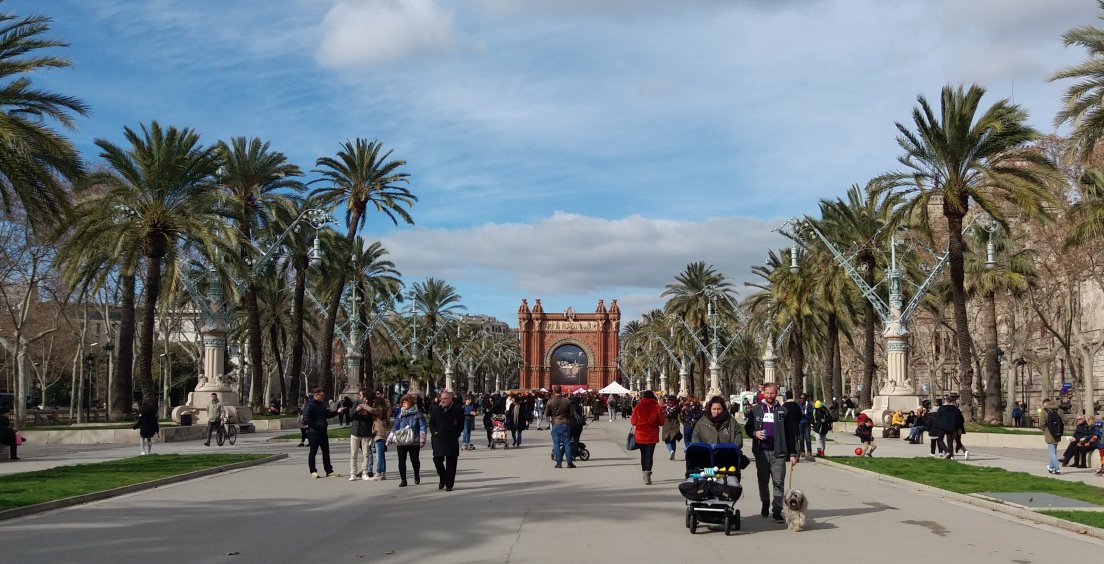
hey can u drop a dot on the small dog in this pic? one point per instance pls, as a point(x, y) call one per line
point(794, 506)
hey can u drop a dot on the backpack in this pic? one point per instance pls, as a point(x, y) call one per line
point(1054, 424)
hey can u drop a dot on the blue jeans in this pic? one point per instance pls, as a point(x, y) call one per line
point(381, 456)
point(804, 438)
point(469, 423)
point(1053, 449)
point(687, 433)
point(561, 443)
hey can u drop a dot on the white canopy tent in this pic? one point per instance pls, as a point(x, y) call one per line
point(614, 388)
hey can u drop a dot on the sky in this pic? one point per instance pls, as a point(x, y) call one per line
point(568, 150)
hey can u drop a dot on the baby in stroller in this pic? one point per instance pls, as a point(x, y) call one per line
point(712, 486)
point(499, 434)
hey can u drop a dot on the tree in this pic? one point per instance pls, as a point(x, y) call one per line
point(161, 194)
point(37, 165)
point(255, 178)
point(956, 158)
point(690, 297)
point(358, 177)
point(376, 282)
point(1083, 108)
point(435, 299)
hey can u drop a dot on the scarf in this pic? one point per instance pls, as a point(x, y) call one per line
point(719, 421)
point(671, 409)
point(408, 411)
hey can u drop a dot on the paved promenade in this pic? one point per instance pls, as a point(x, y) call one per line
point(512, 506)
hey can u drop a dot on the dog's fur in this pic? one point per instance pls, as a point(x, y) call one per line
point(794, 506)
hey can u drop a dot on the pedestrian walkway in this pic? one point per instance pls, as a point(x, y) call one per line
point(513, 506)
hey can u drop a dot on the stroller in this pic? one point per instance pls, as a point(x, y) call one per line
point(579, 451)
point(712, 486)
point(499, 435)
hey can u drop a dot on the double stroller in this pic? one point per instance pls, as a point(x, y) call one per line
point(712, 486)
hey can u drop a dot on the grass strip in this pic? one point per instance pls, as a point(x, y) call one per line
point(967, 479)
point(29, 488)
point(1091, 518)
point(998, 430)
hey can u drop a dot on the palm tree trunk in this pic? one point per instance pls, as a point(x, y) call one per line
point(833, 359)
point(993, 413)
point(256, 351)
point(865, 395)
point(367, 374)
point(149, 318)
point(798, 360)
point(297, 329)
point(962, 326)
point(274, 336)
point(326, 378)
point(122, 393)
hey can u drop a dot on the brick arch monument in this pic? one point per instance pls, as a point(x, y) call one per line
point(569, 349)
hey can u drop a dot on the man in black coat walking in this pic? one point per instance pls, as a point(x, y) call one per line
point(446, 423)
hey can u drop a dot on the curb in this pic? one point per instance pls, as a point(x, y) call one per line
point(977, 501)
point(105, 494)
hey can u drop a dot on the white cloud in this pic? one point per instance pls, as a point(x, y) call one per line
point(576, 254)
point(358, 33)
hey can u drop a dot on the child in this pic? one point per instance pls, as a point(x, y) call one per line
point(865, 432)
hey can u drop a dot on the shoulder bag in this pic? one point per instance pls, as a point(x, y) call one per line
point(630, 441)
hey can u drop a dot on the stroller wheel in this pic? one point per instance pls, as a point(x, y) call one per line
point(729, 524)
point(584, 454)
point(693, 524)
point(688, 514)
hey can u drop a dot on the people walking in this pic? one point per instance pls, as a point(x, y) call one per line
point(822, 425)
point(8, 435)
point(147, 427)
point(805, 426)
point(717, 425)
point(772, 444)
point(849, 405)
point(612, 407)
point(1050, 421)
point(517, 419)
point(361, 437)
point(671, 431)
point(689, 415)
point(646, 420)
point(446, 424)
point(949, 420)
point(408, 434)
point(559, 410)
point(470, 413)
point(381, 425)
point(215, 412)
point(316, 414)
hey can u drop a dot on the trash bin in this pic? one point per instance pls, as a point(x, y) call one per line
point(185, 419)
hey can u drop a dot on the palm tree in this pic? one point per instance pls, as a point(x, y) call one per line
point(359, 177)
point(255, 178)
point(161, 195)
point(957, 158)
point(787, 299)
point(36, 163)
point(1082, 101)
point(691, 296)
point(859, 224)
point(376, 282)
point(1012, 273)
point(1087, 213)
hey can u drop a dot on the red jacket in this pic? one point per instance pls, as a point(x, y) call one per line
point(647, 417)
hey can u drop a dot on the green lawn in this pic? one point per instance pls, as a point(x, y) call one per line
point(29, 488)
point(1091, 518)
point(983, 428)
point(966, 479)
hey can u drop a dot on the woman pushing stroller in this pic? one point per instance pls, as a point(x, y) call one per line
point(717, 425)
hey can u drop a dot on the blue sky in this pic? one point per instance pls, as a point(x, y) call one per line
point(565, 149)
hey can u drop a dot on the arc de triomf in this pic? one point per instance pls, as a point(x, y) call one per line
point(568, 349)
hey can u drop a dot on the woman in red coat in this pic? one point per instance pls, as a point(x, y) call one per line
point(647, 418)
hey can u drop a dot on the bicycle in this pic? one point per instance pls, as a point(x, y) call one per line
point(226, 432)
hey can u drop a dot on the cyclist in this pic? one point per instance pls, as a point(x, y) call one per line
point(215, 413)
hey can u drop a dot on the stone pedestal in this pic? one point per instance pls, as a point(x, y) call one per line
point(770, 364)
point(714, 379)
point(663, 383)
point(214, 381)
point(898, 392)
point(684, 381)
point(353, 365)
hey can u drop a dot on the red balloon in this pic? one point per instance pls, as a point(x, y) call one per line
point(858, 451)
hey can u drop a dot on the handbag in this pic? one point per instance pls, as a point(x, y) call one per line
point(403, 437)
point(630, 441)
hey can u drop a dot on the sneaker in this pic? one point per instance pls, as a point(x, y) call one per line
point(370, 474)
point(965, 455)
point(672, 456)
point(314, 475)
point(333, 475)
point(571, 465)
point(948, 456)
point(1057, 472)
point(777, 516)
point(208, 443)
point(354, 478)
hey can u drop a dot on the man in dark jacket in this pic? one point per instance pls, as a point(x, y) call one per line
point(315, 416)
point(446, 423)
point(948, 419)
point(772, 443)
point(7, 435)
point(560, 412)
